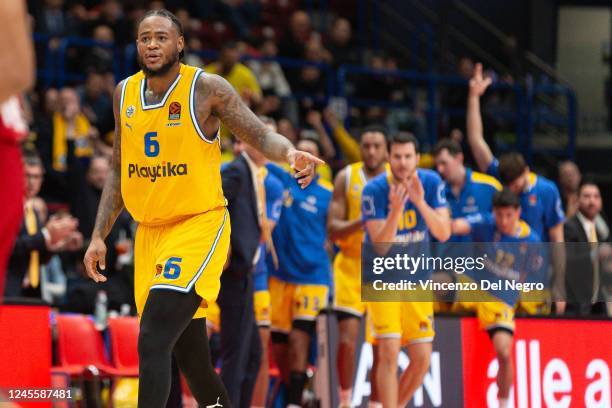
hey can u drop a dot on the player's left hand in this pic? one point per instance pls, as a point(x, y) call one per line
point(305, 165)
point(416, 193)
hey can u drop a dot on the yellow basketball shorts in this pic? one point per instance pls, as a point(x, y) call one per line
point(262, 308)
point(347, 285)
point(182, 256)
point(262, 311)
point(537, 302)
point(411, 322)
point(291, 302)
point(491, 315)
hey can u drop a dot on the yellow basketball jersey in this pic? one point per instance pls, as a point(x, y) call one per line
point(169, 169)
point(355, 181)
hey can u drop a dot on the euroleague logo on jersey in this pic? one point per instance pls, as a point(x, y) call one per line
point(174, 111)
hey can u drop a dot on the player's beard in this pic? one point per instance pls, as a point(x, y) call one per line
point(161, 71)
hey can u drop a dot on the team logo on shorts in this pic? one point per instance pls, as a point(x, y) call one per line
point(423, 326)
point(129, 112)
point(158, 270)
point(174, 111)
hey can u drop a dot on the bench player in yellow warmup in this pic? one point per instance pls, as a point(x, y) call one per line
point(166, 172)
point(345, 228)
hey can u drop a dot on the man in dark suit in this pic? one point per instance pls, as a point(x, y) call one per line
point(240, 343)
point(584, 233)
point(36, 240)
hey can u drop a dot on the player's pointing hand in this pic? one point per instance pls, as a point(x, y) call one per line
point(305, 165)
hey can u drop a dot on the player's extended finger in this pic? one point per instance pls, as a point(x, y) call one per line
point(478, 71)
point(312, 159)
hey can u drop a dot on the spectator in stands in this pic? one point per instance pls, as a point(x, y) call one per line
point(300, 30)
point(193, 46)
point(236, 73)
point(287, 129)
point(86, 185)
point(43, 116)
point(100, 58)
point(97, 104)
point(51, 19)
point(67, 124)
point(311, 84)
point(584, 276)
point(112, 16)
point(455, 97)
point(340, 44)
point(36, 240)
point(240, 14)
point(569, 182)
point(273, 83)
point(376, 87)
point(511, 58)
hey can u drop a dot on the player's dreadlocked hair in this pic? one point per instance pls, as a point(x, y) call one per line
point(170, 16)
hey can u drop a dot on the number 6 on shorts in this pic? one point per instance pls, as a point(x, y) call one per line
point(172, 269)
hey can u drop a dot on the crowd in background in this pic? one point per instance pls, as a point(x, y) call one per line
point(67, 154)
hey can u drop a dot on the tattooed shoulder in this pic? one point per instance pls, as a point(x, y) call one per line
point(225, 104)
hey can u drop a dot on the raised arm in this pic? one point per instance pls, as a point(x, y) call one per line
point(223, 102)
point(111, 202)
point(313, 118)
point(480, 149)
point(17, 57)
point(338, 226)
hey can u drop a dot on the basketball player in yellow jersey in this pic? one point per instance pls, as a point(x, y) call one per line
point(345, 228)
point(166, 172)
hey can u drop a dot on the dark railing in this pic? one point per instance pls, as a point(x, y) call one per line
point(526, 116)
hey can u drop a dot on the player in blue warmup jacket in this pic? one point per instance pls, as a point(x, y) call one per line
point(541, 205)
point(405, 205)
point(299, 287)
point(515, 249)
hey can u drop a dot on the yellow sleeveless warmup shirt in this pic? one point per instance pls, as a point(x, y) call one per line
point(355, 181)
point(169, 170)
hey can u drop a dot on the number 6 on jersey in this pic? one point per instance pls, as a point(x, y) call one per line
point(151, 146)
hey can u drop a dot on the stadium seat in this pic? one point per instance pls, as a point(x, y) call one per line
point(124, 345)
point(80, 350)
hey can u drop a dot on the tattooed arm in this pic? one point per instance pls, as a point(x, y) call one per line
point(219, 98)
point(110, 205)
